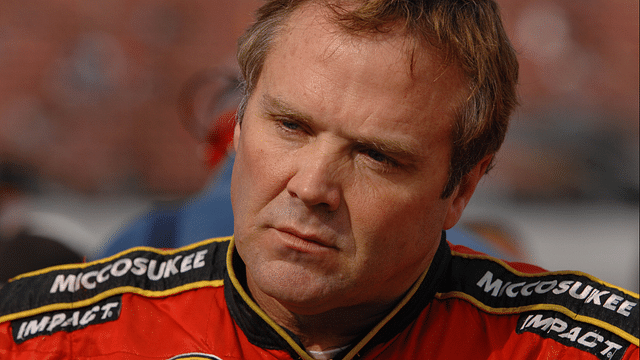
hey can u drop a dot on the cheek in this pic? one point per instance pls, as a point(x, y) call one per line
point(257, 174)
point(390, 222)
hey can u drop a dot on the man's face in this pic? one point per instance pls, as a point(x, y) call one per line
point(341, 159)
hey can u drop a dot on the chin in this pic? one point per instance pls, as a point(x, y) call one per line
point(293, 284)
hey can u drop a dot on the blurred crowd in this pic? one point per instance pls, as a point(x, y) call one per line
point(89, 89)
point(113, 97)
point(576, 135)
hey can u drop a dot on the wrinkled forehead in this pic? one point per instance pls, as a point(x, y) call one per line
point(412, 48)
point(319, 68)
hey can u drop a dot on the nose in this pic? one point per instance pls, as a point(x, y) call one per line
point(315, 181)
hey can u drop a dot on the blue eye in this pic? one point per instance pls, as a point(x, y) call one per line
point(290, 125)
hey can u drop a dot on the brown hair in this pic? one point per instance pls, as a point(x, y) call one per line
point(468, 33)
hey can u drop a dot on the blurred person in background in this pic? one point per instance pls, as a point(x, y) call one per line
point(21, 250)
point(345, 177)
point(206, 106)
point(88, 98)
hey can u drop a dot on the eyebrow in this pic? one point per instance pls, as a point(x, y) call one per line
point(405, 153)
point(276, 106)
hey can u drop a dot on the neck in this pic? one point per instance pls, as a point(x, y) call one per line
point(326, 330)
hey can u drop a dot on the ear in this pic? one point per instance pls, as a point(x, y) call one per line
point(236, 136)
point(464, 191)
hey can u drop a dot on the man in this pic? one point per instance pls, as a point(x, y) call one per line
point(364, 131)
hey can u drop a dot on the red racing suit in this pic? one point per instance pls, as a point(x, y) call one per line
point(191, 303)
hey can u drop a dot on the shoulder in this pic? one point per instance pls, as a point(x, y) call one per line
point(567, 306)
point(145, 271)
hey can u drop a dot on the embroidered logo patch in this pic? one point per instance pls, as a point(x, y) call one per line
point(594, 340)
point(499, 289)
point(67, 320)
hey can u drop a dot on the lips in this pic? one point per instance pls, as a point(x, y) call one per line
point(305, 242)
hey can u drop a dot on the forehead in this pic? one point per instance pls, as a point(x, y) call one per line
point(389, 75)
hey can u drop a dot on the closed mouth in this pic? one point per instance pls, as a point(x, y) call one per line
point(310, 238)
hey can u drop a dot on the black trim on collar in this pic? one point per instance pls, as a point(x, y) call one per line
point(422, 298)
point(261, 334)
point(252, 325)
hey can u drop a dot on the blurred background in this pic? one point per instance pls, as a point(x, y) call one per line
point(107, 139)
